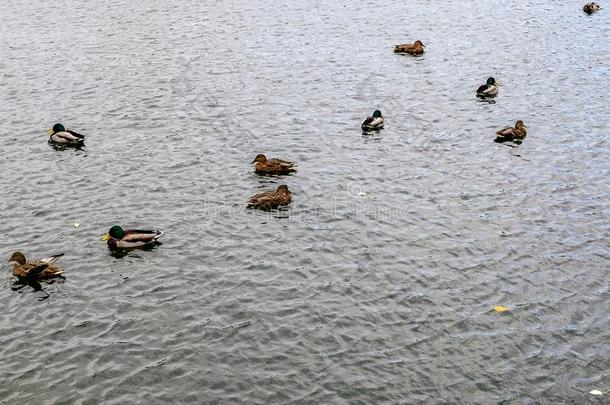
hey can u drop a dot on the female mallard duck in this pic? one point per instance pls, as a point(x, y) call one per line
point(416, 48)
point(61, 136)
point(37, 269)
point(272, 166)
point(490, 89)
point(373, 123)
point(516, 134)
point(590, 8)
point(271, 199)
point(118, 238)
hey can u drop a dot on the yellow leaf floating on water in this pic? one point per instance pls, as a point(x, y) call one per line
point(501, 308)
point(596, 392)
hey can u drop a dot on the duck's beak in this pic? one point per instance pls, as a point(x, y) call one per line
point(50, 131)
point(106, 237)
point(254, 161)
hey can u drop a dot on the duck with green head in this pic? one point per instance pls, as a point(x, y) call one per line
point(489, 89)
point(119, 238)
point(59, 135)
point(35, 270)
point(373, 123)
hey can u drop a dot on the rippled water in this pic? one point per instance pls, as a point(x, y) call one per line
point(378, 284)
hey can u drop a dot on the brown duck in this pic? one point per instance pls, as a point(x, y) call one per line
point(590, 8)
point(516, 134)
point(271, 199)
point(272, 166)
point(416, 48)
point(36, 269)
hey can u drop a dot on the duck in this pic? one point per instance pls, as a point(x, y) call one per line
point(118, 238)
point(490, 89)
point(61, 136)
point(271, 199)
point(36, 269)
point(591, 8)
point(516, 134)
point(417, 48)
point(272, 166)
point(373, 123)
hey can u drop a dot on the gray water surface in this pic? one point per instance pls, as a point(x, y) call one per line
point(378, 284)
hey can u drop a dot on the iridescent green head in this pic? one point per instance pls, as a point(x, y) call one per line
point(491, 81)
point(116, 232)
point(58, 128)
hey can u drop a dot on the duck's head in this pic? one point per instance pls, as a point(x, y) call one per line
point(520, 124)
point(491, 81)
point(419, 43)
point(376, 114)
point(283, 189)
point(56, 128)
point(260, 158)
point(116, 232)
point(18, 258)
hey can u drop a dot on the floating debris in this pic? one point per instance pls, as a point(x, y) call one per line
point(76, 224)
point(239, 325)
point(501, 308)
point(596, 393)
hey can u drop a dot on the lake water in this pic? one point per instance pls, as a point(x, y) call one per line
point(378, 284)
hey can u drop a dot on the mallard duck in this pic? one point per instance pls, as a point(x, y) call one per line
point(37, 269)
point(61, 136)
point(490, 89)
point(271, 199)
point(373, 123)
point(590, 8)
point(272, 166)
point(516, 134)
point(118, 238)
point(416, 48)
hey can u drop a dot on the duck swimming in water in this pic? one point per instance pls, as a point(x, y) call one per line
point(417, 48)
point(373, 123)
point(490, 89)
point(36, 269)
point(516, 134)
point(118, 238)
point(590, 8)
point(272, 166)
point(271, 199)
point(59, 135)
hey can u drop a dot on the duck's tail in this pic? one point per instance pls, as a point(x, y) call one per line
point(52, 259)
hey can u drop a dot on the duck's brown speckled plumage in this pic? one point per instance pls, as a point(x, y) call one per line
point(516, 134)
point(272, 166)
point(416, 48)
point(271, 199)
point(36, 269)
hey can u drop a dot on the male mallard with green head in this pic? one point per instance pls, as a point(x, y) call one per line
point(271, 199)
point(272, 166)
point(61, 136)
point(516, 134)
point(416, 48)
point(490, 89)
point(373, 123)
point(37, 269)
point(590, 8)
point(118, 238)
